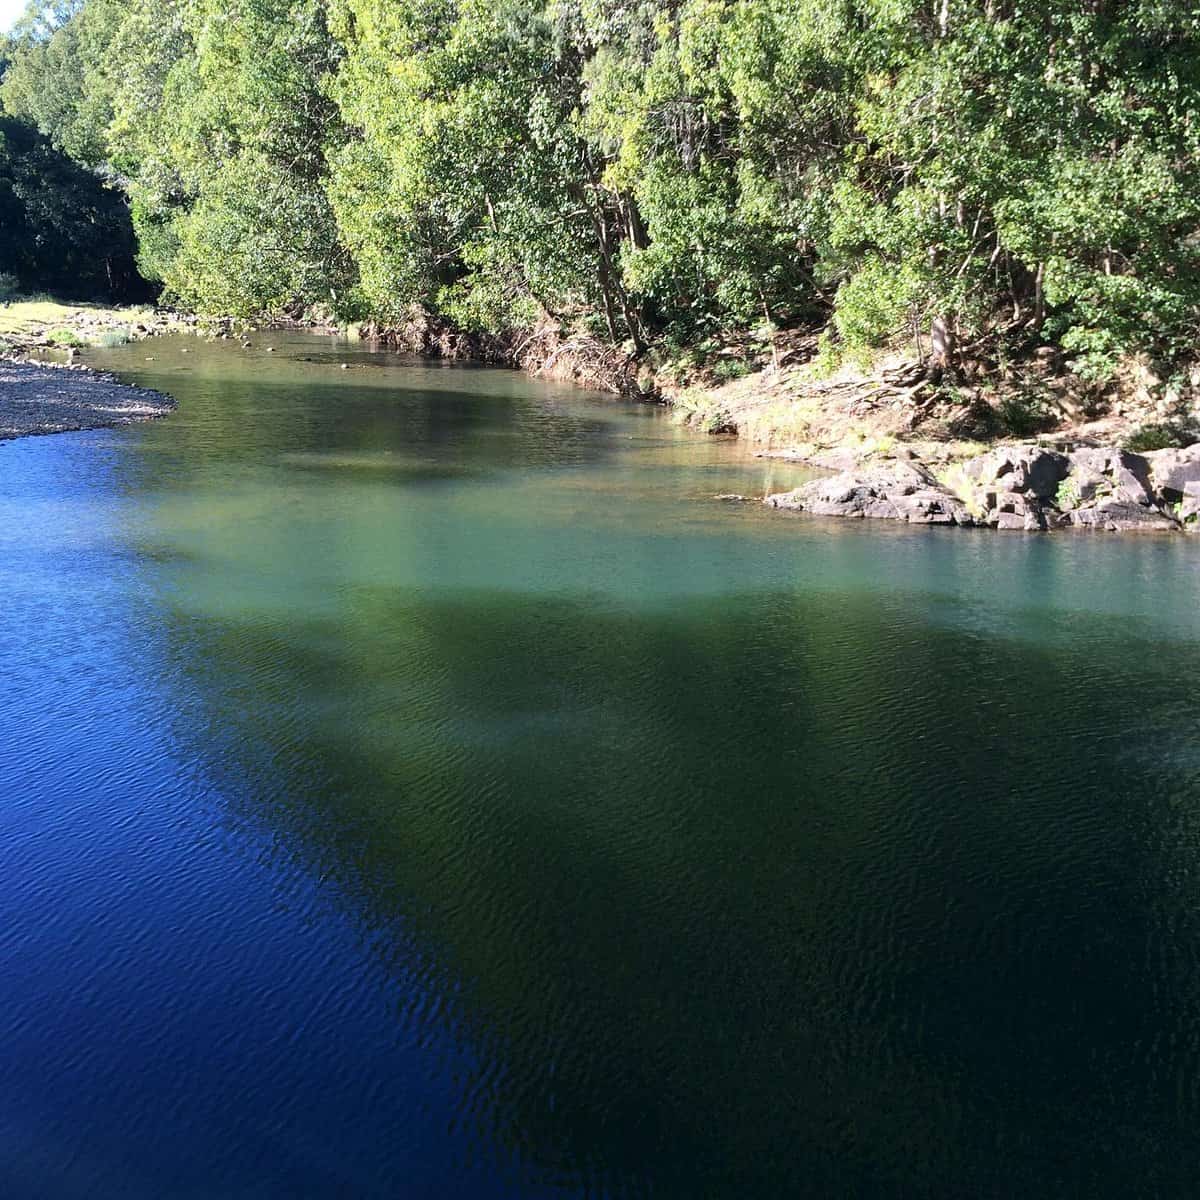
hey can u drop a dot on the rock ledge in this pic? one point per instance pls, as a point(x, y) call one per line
point(1020, 487)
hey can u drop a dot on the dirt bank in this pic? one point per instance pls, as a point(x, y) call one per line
point(800, 408)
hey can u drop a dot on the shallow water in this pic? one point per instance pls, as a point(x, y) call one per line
point(417, 785)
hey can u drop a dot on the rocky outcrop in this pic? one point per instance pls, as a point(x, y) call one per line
point(900, 491)
point(1111, 489)
point(1021, 487)
point(1015, 510)
point(1118, 516)
point(1022, 470)
point(1175, 477)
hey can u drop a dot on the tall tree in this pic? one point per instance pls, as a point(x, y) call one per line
point(958, 174)
point(61, 228)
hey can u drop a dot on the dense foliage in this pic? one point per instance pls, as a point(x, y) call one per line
point(61, 228)
point(950, 172)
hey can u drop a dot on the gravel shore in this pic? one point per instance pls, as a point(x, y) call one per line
point(40, 398)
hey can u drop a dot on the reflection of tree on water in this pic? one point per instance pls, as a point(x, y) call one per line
point(726, 901)
point(231, 412)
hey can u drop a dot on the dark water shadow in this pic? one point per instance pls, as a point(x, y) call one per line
point(728, 901)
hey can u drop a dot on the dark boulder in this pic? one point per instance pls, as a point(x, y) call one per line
point(1014, 510)
point(1120, 516)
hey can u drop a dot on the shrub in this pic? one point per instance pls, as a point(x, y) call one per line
point(1025, 414)
point(1068, 495)
point(110, 338)
point(730, 368)
point(1164, 436)
point(64, 337)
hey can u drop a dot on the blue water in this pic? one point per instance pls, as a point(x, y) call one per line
point(417, 784)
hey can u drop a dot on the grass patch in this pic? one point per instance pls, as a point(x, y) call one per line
point(727, 369)
point(700, 410)
point(874, 445)
point(955, 479)
point(783, 423)
point(112, 337)
point(1025, 414)
point(64, 337)
point(1068, 497)
point(1165, 436)
point(30, 320)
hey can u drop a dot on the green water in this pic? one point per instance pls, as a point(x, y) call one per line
point(418, 784)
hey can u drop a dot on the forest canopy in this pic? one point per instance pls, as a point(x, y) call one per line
point(941, 171)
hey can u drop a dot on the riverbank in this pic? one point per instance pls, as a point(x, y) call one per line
point(896, 445)
point(39, 398)
point(1029, 446)
point(40, 326)
point(794, 398)
point(788, 399)
point(1019, 487)
point(44, 389)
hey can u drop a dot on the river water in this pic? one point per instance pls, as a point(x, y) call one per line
point(416, 784)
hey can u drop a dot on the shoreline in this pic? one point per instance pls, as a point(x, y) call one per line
point(875, 472)
point(42, 395)
point(37, 399)
point(1023, 487)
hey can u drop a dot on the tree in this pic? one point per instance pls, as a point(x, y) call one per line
point(964, 175)
point(61, 228)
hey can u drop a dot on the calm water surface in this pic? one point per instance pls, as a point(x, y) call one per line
point(416, 785)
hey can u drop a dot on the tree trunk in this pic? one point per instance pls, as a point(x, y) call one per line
point(941, 346)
